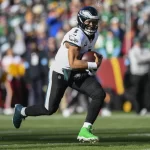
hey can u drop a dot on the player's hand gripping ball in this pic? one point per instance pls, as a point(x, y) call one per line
point(92, 56)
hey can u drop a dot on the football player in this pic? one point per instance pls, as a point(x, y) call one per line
point(70, 70)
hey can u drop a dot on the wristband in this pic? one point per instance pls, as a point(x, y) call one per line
point(92, 65)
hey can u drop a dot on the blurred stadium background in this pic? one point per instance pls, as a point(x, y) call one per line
point(30, 34)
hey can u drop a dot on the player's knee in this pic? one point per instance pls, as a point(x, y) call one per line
point(99, 95)
point(52, 110)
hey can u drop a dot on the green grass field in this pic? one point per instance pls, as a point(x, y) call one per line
point(119, 132)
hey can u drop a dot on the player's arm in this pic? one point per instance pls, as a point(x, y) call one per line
point(75, 62)
point(73, 56)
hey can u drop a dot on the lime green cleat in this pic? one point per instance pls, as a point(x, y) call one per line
point(85, 135)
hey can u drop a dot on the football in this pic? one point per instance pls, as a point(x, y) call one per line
point(89, 56)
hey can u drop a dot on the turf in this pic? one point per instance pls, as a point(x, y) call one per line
point(119, 132)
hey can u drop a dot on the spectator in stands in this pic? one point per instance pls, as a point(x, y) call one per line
point(116, 29)
point(52, 48)
point(54, 22)
point(109, 46)
point(5, 86)
point(36, 63)
point(139, 58)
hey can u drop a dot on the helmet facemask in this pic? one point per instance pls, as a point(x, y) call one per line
point(91, 26)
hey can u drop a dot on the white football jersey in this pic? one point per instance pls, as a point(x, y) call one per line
point(77, 37)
